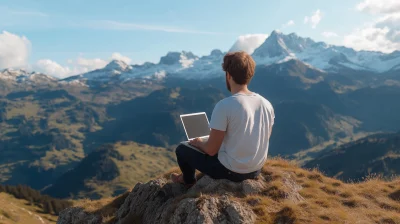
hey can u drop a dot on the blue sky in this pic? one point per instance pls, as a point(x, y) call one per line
point(63, 31)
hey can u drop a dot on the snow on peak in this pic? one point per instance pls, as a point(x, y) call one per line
point(178, 57)
point(13, 72)
point(278, 47)
point(118, 65)
point(273, 46)
point(22, 76)
point(276, 32)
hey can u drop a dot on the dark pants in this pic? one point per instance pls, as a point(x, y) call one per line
point(190, 160)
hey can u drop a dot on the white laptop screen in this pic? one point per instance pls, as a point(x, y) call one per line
point(196, 125)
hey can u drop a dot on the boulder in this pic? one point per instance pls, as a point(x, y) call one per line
point(208, 201)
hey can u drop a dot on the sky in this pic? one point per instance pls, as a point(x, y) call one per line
point(63, 38)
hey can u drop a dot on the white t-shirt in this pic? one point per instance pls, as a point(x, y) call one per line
point(247, 120)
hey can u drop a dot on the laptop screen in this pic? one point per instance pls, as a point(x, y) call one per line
point(196, 125)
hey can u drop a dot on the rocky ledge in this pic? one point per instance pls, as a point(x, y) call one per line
point(209, 201)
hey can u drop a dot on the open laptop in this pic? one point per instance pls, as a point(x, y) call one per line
point(196, 125)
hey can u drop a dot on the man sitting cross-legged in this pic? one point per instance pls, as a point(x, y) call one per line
point(240, 125)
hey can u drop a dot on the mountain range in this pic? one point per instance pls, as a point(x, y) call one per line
point(277, 48)
point(373, 155)
point(322, 95)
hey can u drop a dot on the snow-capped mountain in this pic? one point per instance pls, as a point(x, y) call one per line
point(278, 48)
point(22, 76)
point(173, 64)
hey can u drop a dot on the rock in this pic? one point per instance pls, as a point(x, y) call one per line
point(158, 202)
point(210, 209)
point(77, 215)
point(208, 201)
point(292, 188)
point(207, 185)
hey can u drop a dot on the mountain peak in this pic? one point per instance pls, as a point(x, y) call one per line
point(118, 65)
point(14, 72)
point(276, 33)
point(216, 52)
point(273, 46)
point(281, 45)
point(175, 57)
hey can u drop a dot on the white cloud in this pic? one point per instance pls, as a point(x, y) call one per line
point(314, 20)
point(76, 66)
point(116, 25)
point(52, 68)
point(14, 50)
point(82, 65)
point(381, 35)
point(120, 57)
point(249, 42)
point(379, 6)
point(289, 23)
point(329, 34)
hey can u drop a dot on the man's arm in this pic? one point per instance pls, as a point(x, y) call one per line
point(211, 147)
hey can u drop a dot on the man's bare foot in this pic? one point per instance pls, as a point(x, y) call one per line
point(178, 178)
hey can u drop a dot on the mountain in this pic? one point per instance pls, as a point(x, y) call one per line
point(284, 193)
point(310, 125)
point(18, 79)
point(154, 119)
point(22, 76)
point(41, 134)
point(113, 69)
point(112, 169)
point(376, 107)
point(373, 155)
point(174, 64)
point(278, 47)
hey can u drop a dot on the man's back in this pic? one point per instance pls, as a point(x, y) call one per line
point(247, 120)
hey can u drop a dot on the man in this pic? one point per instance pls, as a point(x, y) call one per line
point(240, 126)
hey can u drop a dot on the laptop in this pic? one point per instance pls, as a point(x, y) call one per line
point(196, 125)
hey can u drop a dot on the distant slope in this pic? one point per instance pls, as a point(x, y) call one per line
point(14, 210)
point(154, 119)
point(41, 134)
point(375, 154)
point(378, 108)
point(111, 170)
point(301, 125)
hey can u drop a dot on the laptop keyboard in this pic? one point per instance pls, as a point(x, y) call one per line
point(203, 138)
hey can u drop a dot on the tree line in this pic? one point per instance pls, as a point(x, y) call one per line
point(48, 204)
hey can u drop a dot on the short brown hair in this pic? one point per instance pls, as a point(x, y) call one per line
point(240, 66)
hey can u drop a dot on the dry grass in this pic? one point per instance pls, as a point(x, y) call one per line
point(326, 200)
point(107, 207)
point(14, 211)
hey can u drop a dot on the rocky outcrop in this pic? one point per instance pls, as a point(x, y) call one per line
point(77, 215)
point(209, 201)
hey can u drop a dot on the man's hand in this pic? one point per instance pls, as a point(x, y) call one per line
point(210, 147)
point(198, 143)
